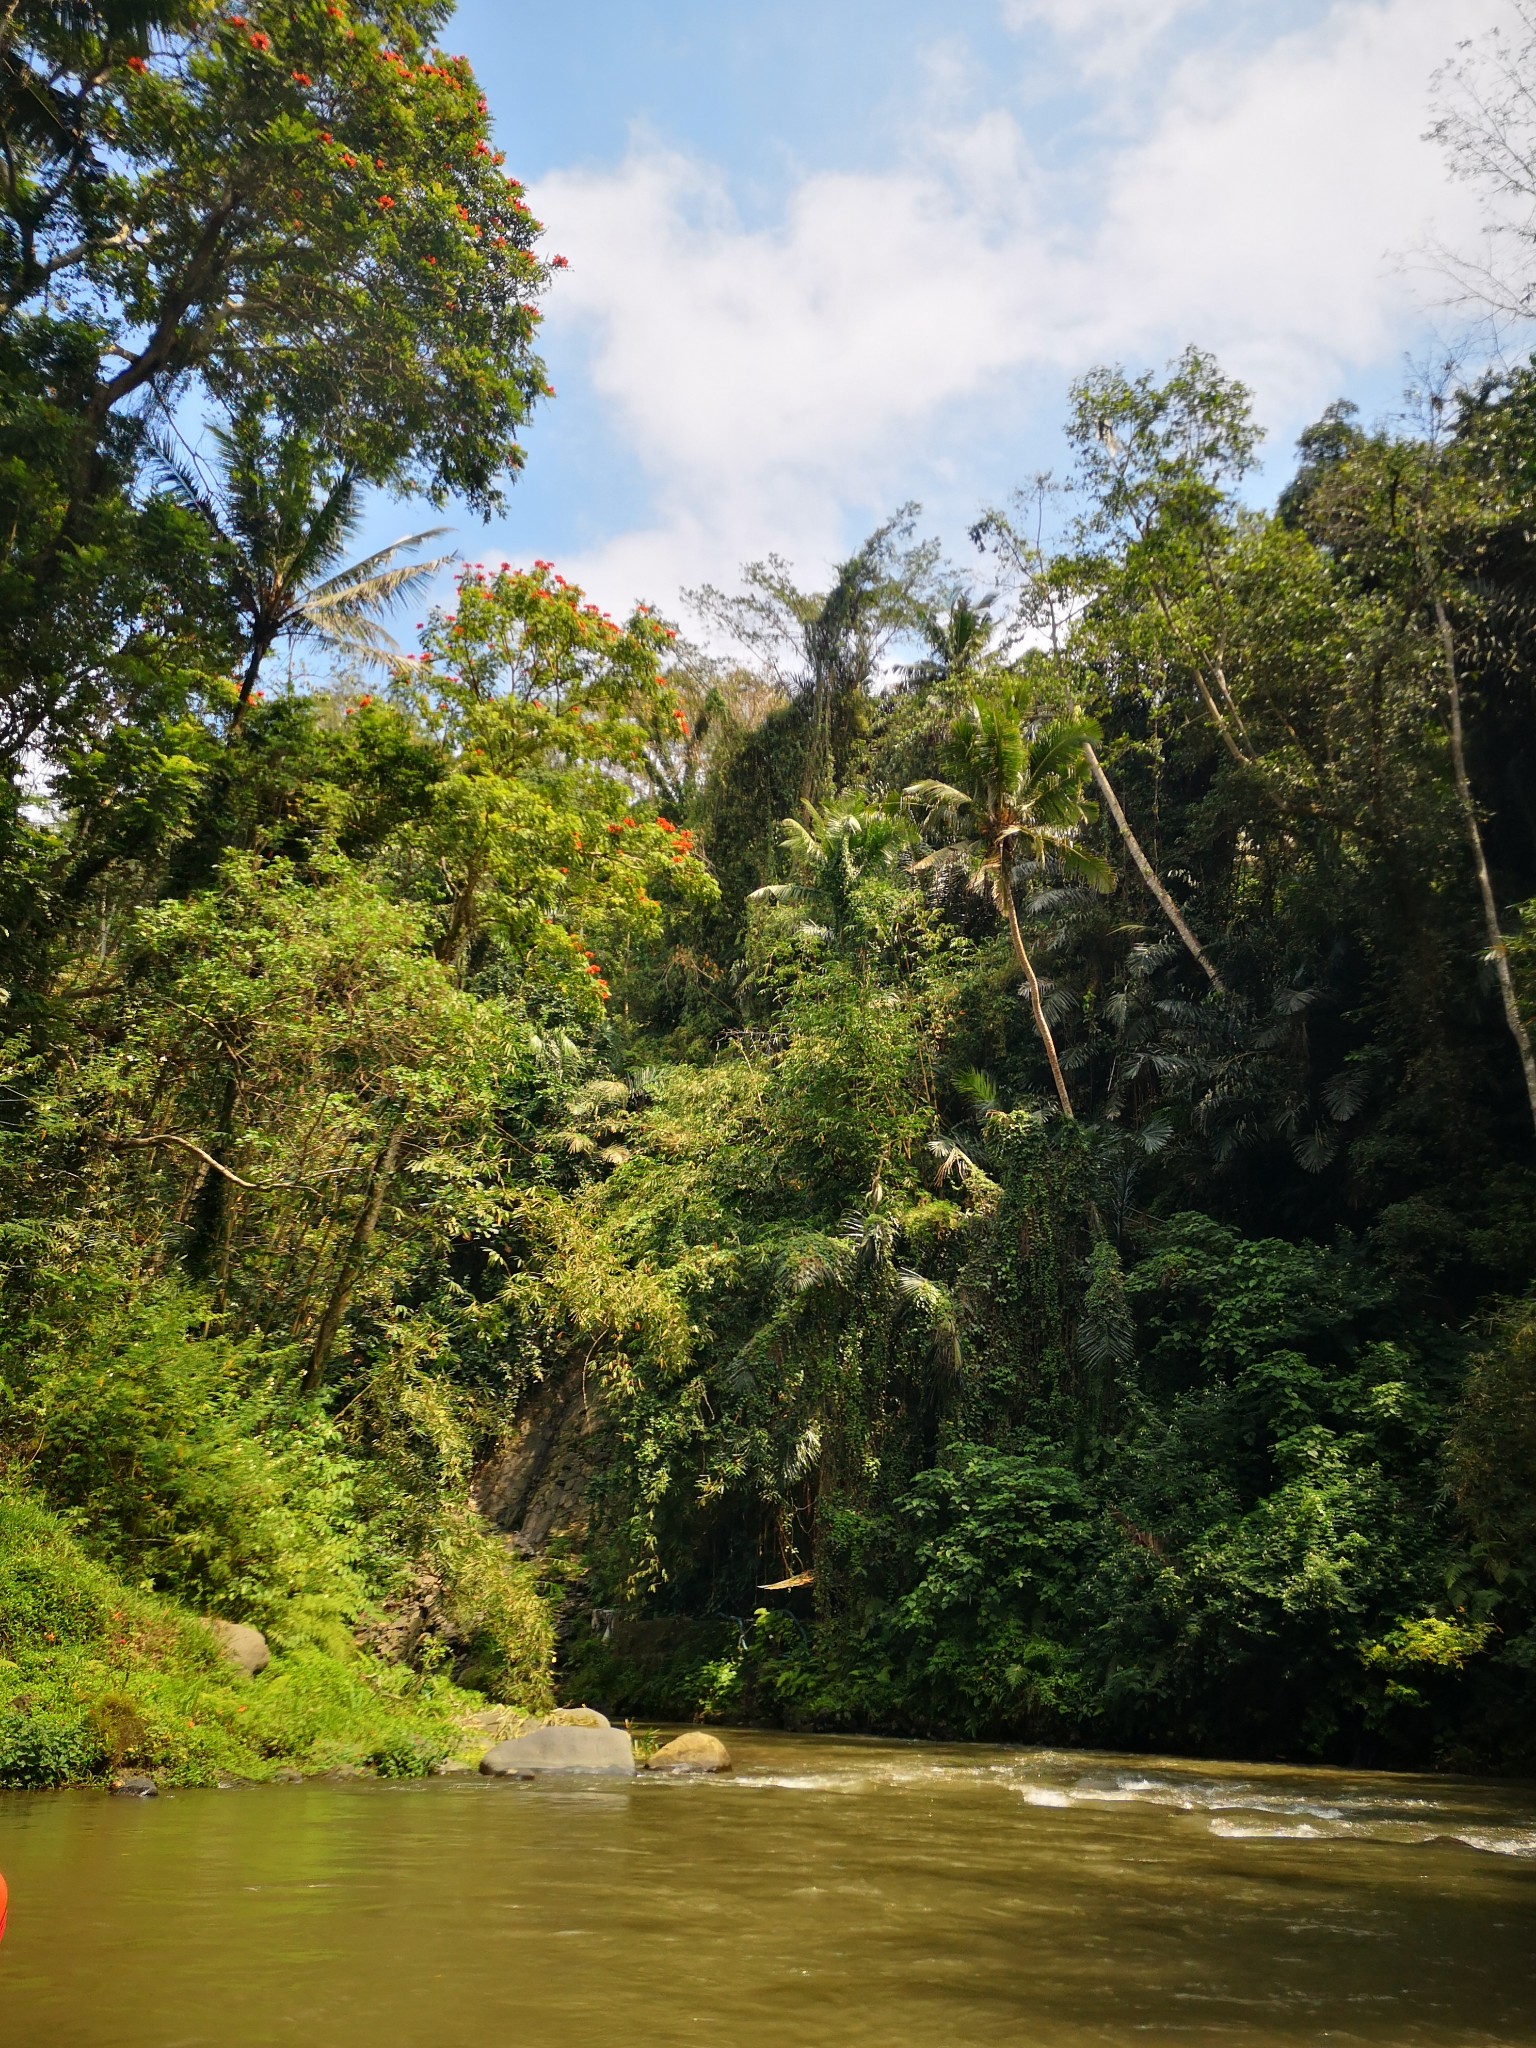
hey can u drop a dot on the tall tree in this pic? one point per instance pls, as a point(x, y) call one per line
point(302, 200)
point(299, 205)
point(1486, 124)
point(1159, 464)
point(1049, 603)
point(1017, 798)
point(823, 648)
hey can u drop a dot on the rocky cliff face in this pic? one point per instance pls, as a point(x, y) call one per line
point(534, 1486)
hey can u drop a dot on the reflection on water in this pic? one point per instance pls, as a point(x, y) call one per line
point(846, 1893)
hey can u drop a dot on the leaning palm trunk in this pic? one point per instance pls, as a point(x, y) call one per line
point(1010, 911)
point(1148, 873)
point(1498, 946)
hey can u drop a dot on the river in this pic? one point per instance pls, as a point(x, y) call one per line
point(828, 1892)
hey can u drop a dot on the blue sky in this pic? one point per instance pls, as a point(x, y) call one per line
point(830, 257)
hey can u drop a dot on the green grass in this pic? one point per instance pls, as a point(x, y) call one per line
point(97, 1677)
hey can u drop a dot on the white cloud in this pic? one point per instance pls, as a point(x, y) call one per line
point(769, 380)
point(1270, 212)
point(1107, 36)
point(1084, 19)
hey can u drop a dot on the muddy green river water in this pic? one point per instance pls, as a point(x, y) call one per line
point(849, 1893)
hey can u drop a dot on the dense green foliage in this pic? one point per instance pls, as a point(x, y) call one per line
point(1180, 1398)
point(993, 1132)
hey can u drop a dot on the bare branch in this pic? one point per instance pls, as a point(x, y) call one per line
point(257, 1187)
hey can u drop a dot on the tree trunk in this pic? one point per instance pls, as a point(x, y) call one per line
point(1497, 945)
point(1148, 873)
point(818, 743)
point(1011, 912)
point(260, 649)
point(346, 1277)
point(1213, 710)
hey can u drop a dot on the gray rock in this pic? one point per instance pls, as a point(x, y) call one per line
point(574, 1717)
point(134, 1785)
point(692, 1755)
point(563, 1750)
point(494, 1724)
point(243, 1646)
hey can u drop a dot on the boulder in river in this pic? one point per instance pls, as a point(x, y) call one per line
point(134, 1785)
point(492, 1724)
point(690, 1756)
point(243, 1646)
point(563, 1749)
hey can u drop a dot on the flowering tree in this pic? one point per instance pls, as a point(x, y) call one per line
point(303, 200)
point(542, 708)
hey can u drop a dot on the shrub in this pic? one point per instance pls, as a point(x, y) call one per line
point(182, 1460)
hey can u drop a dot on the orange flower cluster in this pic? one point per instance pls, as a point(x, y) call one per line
point(682, 838)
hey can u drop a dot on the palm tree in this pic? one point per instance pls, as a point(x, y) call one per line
point(832, 853)
point(1018, 798)
point(283, 512)
point(958, 639)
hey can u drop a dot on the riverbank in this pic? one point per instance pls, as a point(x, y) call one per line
point(98, 1677)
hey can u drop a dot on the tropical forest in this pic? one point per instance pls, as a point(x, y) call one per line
point(945, 1150)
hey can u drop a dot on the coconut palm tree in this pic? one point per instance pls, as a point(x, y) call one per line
point(831, 853)
point(958, 639)
point(1018, 799)
point(283, 510)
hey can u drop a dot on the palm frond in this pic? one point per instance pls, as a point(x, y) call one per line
point(978, 1088)
point(184, 485)
point(381, 562)
point(1087, 866)
point(940, 797)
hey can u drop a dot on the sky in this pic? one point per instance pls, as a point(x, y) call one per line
point(829, 256)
